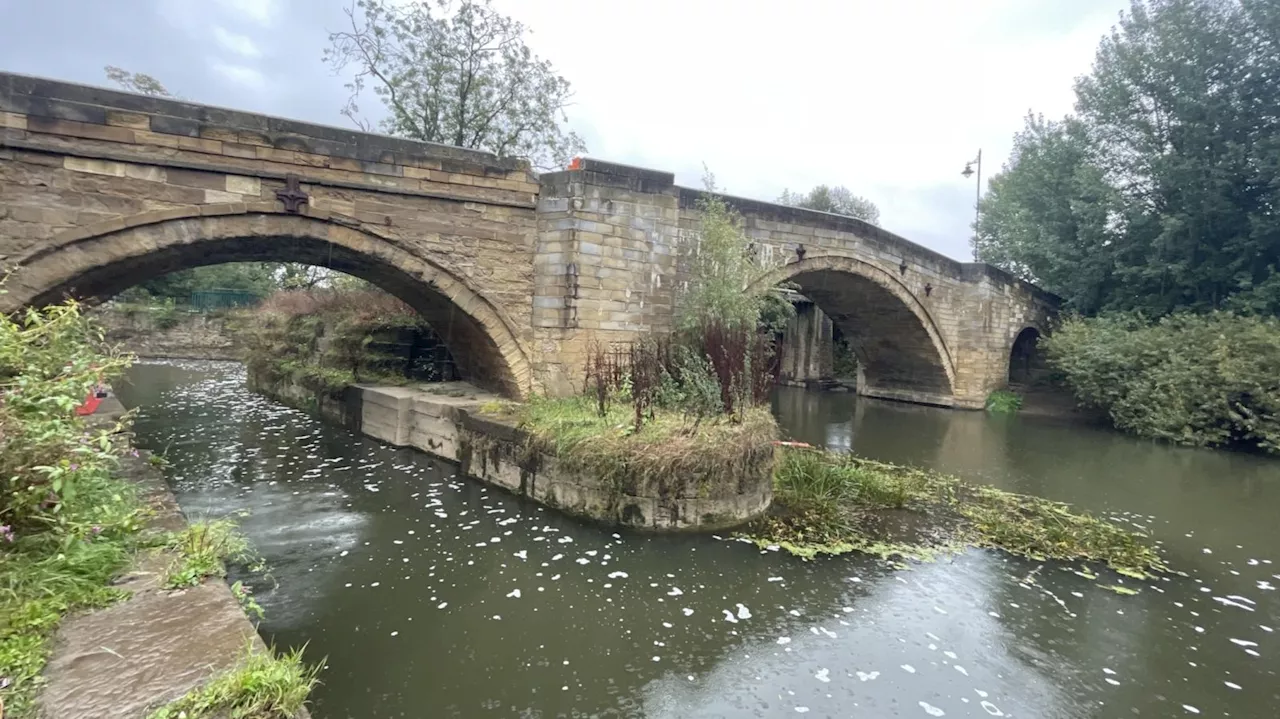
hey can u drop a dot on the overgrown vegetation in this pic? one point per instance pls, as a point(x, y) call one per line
point(262, 685)
point(671, 453)
point(203, 550)
point(1202, 380)
point(69, 524)
point(65, 519)
point(1002, 401)
point(328, 339)
point(681, 413)
point(834, 503)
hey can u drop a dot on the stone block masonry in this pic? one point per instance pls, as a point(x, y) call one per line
point(518, 274)
point(446, 420)
point(151, 333)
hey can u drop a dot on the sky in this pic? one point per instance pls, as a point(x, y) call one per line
point(889, 98)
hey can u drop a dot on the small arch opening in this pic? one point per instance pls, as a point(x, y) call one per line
point(1027, 366)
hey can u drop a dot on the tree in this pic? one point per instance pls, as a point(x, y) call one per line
point(459, 76)
point(721, 268)
point(137, 82)
point(1044, 218)
point(836, 200)
point(1167, 174)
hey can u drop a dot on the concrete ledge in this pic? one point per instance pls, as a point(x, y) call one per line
point(124, 661)
point(445, 420)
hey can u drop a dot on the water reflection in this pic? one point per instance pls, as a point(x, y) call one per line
point(433, 596)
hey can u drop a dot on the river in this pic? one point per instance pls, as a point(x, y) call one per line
point(434, 596)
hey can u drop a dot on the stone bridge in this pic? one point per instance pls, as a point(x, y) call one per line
point(519, 273)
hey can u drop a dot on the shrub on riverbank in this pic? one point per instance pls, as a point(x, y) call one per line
point(1202, 380)
point(825, 502)
point(66, 520)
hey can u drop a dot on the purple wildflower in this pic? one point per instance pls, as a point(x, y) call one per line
point(7, 532)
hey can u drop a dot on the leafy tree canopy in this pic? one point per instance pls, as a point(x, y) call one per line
point(459, 75)
point(137, 82)
point(1161, 192)
point(838, 200)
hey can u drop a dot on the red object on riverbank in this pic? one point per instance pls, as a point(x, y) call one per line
point(91, 402)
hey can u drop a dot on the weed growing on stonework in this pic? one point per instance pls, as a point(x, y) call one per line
point(1004, 402)
point(203, 550)
point(262, 685)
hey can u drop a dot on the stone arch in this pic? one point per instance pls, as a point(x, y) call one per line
point(98, 261)
point(1026, 363)
point(900, 351)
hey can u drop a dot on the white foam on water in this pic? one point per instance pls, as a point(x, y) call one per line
point(931, 710)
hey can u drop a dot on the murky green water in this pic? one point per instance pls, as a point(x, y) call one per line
point(432, 596)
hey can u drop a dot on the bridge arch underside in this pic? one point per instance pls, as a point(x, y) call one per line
point(900, 355)
point(93, 269)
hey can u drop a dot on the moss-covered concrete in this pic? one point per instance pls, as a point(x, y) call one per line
point(448, 420)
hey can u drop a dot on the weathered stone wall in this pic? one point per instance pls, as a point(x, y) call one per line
point(806, 353)
point(188, 335)
point(100, 190)
point(611, 261)
point(446, 420)
point(605, 263)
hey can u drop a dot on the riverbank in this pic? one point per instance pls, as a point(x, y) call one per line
point(160, 331)
point(157, 644)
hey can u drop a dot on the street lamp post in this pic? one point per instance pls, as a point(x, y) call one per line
point(977, 197)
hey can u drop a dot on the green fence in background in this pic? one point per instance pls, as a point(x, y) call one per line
point(205, 300)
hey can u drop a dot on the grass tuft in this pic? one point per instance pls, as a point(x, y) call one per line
point(203, 549)
point(44, 577)
point(263, 685)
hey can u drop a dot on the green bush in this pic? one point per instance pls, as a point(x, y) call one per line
point(1208, 380)
point(50, 360)
point(66, 520)
point(1002, 401)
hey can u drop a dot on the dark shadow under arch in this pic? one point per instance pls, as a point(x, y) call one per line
point(1026, 362)
point(899, 349)
point(99, 266)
